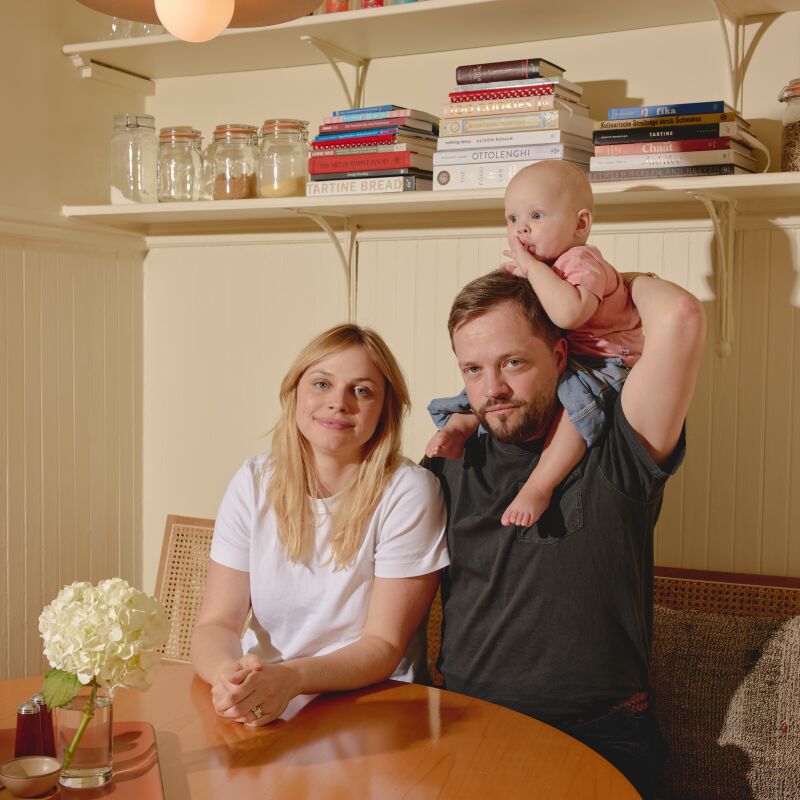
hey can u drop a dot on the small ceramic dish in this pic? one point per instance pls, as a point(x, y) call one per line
point(30, 776)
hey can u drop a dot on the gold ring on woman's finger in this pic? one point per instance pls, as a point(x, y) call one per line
point(257, 711)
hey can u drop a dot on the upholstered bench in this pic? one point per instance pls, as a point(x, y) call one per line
point(725, 671)
point(726, 679)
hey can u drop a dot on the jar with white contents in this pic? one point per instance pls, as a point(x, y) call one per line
point(283, 158)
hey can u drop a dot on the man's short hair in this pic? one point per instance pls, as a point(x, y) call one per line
point(482, 294)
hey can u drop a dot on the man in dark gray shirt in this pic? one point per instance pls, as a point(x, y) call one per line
point(555, 620)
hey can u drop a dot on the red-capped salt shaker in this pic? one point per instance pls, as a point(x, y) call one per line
point(46, 720)
point(28, 741)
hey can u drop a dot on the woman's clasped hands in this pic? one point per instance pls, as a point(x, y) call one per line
point(252, 692)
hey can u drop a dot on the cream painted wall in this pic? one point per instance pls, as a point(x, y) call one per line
point(223, 321)
point(211, 324)
point(733, 506)
point(70, 422)
point(56, 126)
point(70, 337)
point(681, 62)
point(407, 280)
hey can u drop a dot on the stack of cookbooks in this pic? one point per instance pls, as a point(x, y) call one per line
point(686, 139)
point(505, 115)
point(370, 150)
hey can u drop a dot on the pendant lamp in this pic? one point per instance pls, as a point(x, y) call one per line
point(200, 20)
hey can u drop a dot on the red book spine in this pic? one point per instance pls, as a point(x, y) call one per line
point(358, 141)
point(363, 124)
point(318, 165)
point(502, 94)
point(664, 146)
point(501, 71)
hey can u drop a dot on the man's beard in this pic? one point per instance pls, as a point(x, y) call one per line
point(532, 421)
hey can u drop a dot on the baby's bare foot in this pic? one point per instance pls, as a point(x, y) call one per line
point(445, 444)
point(527, 507)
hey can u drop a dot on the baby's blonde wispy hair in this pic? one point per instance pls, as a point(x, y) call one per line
point(570, 179)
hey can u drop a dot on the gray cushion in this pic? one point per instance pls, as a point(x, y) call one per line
point(727, 695)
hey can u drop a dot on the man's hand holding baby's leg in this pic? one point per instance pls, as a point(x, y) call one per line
point(450, 440)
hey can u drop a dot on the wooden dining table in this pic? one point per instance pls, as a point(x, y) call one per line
point(393, 740)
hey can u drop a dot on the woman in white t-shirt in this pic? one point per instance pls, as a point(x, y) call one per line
point(334, 540)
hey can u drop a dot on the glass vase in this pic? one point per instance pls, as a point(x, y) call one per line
point(91, 761)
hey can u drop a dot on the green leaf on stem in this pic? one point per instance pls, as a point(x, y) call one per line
point(60, 687)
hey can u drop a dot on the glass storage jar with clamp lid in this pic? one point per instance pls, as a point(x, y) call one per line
point(234, 166)
point(790, 151)
point(180, 164)
point(134, 159)
point(283, 158)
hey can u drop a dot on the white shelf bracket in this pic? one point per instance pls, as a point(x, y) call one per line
point(348, 260)
point(722, 211)
point(733, 29)
point(739, 53)
point(335, 54)
point(115, 77)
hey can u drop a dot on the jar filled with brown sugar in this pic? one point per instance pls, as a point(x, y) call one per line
point(234, 162)
point(283, 158)
point(790, 151)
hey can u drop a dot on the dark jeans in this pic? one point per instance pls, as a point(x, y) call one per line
point(630, 741)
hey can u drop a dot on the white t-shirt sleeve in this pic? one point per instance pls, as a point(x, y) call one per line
point(230, 545)
point(411, 519)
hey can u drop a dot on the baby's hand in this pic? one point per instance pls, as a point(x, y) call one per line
point(445, 444)
point(522, 260)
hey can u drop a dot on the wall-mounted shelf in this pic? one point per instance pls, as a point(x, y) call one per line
point(425, 27)
point(723, 197)
point(774, 191)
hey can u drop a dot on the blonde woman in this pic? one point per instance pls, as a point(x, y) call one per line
point(334, 540)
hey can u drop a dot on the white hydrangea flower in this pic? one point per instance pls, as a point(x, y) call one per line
point(107, 632)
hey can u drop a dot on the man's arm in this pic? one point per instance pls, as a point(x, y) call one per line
point(658, 391)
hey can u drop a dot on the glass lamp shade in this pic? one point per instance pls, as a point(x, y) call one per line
point(247, 13)
point(195, 20)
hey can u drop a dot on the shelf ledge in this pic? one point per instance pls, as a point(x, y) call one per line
point(433, 26)
point(762, 193)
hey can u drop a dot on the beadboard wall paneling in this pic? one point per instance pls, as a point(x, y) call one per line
point(70, 426)
point(223, 323)
point(733, 504)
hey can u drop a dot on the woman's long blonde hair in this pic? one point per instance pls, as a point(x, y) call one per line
point(294, 482)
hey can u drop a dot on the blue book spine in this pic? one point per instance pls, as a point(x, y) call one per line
point(354, 112)
point(366, 115)
point(355, 134)
point(681, 109)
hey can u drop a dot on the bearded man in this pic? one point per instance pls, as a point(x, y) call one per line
point(555, 620)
